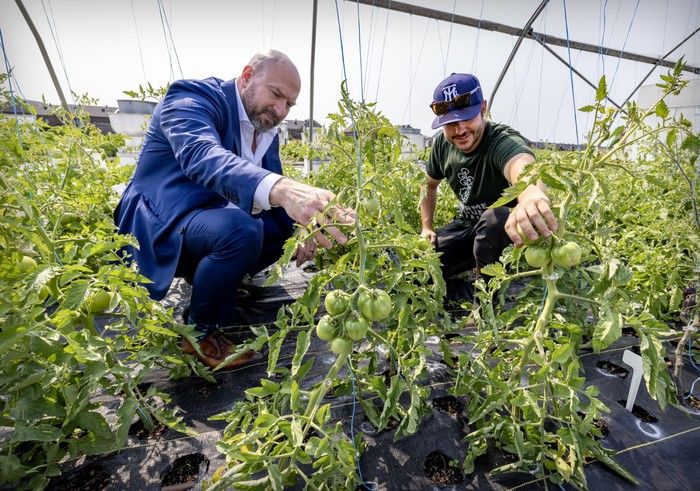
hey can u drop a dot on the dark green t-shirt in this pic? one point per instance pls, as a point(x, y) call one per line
point(477, 177)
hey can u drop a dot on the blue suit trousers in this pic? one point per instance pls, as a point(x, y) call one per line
point(220, 246)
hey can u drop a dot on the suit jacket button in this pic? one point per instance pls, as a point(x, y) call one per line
point(234, 200)
point(181, 230)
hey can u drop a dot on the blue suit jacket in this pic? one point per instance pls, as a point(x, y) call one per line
point(189, 162)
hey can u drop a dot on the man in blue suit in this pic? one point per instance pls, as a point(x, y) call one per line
point(208, 200)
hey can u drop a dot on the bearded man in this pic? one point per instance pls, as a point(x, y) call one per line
point(208, 200)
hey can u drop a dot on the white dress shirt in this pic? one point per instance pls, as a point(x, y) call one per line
point(261, 198)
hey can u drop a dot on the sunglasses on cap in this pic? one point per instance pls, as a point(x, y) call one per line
point(460, 102)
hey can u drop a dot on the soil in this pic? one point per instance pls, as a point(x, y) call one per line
point(437, 468)
point(451, 335)
point(138, 429)
point(89, 477)
point(640, 412)
point(448, 404)
point(185, 469)
point(629, 331)
point(612, 368)
point(602, 425)
point(692, 401)
point(599, 423)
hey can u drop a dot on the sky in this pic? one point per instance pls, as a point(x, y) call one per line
point(103, 47)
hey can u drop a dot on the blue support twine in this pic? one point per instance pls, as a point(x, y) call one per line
point(690, 355)
point(368, 485)
point(9, 82)
point(571, 73)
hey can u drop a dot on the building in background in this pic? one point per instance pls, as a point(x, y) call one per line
point(413, 141)
point(99, 115)
point(298, 129)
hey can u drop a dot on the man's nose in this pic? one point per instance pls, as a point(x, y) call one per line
point(280, 108)
point(461, 127)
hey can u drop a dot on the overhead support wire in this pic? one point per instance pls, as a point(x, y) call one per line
point(359, 52)
point(583, 77)
point(57, 43)
point(478, 31)
point(44, 54)
point(525, 29)
point(165, 22)
point(138, 42)
point(629, 29)
point(449, 40)
point(516, 31)
point(571, 73)
point(381, 58)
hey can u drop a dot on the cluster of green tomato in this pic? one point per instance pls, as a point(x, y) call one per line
point(96, 303)
point(343, 325)
point(540, 253)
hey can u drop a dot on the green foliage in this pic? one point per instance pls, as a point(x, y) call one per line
point(60, 249)
point(148, 92)
point(294, 151)
point(269, 433)
point(630, 217)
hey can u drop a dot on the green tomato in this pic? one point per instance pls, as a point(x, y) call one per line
point(99, 302)
point(68, 217)
point(356, 327)
point(424, 244)
point(337, 302)
point(567, 255)
point(371, 207)
point(44, 292)
point(341, 346)
point(374, 304)
point(537, 256)
point(26, 264)
point(526, 240)
point(325, 329)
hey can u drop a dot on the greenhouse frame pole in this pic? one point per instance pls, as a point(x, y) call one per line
point(554, 53)
point(515, 31)
point(525, 29)
point(313, 63)
point(44, 54)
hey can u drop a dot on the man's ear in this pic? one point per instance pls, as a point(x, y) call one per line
point(246, 75)
point(483, 108)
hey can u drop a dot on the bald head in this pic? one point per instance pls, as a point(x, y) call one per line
point(261, 62)
point(268, 85)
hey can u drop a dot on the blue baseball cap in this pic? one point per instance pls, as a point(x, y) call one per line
point(457, 98)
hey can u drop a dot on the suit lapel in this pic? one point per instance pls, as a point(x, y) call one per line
point(229, 88)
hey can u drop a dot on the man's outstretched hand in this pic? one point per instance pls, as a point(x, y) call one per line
point(307, 204)
point(532, 215)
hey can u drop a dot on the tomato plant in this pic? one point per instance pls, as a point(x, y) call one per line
point(526, 387)
point(61, 267)
point(393, 288)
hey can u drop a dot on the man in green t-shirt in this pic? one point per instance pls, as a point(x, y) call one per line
point(479, 159)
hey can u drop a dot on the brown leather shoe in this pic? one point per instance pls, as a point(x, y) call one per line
point(215, 347)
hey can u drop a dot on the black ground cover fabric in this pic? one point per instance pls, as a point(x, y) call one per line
point(662, 455)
